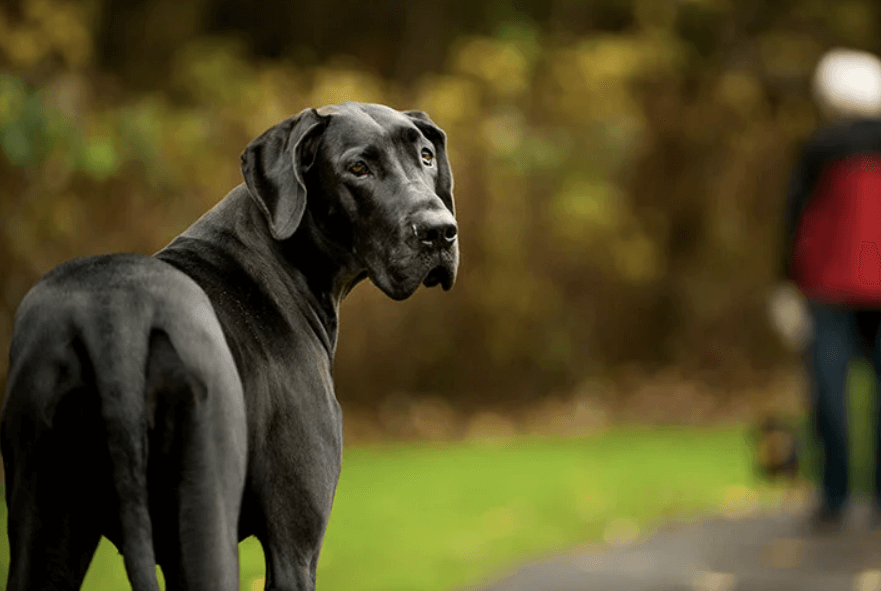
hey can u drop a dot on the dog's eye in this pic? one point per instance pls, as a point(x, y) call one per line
point(359, 169)
point(427, 156)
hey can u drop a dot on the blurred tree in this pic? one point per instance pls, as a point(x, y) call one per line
point(619, 164)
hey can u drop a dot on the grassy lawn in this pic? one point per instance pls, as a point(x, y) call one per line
point(425, 517)
point(433, 518)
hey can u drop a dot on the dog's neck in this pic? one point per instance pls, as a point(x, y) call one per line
point(323, 271)
point(330, 267)
point(330, 270)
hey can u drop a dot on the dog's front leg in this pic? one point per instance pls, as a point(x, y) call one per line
point(294, 496)
point(291, 546)
point(287, 572)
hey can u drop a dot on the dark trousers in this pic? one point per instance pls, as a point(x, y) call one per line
point(841, 334)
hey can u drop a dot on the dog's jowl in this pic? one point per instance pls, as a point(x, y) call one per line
point(182, 402)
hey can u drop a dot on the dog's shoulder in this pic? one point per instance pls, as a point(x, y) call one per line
point(258, 309)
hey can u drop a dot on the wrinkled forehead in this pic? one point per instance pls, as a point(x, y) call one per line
point(358, 124)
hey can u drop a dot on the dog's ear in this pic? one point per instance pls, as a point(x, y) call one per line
point(274, 166)
point(437, 137)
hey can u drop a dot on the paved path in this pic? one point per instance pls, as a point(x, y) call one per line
point(771, 552)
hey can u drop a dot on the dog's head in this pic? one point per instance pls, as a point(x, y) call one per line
point(375, 181)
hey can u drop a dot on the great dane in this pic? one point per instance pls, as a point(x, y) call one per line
point(180, 403)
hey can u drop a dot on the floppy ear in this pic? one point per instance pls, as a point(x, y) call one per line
point(437, 137)
point(274, 165)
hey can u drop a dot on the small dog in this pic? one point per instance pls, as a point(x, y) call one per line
point(778, 450)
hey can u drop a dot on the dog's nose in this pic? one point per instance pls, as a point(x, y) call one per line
point(437, 231)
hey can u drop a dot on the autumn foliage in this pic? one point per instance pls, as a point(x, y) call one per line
point(619, 165)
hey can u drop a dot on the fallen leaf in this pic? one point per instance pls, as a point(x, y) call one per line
point(785, 553)
point(712, 581)
point(868, 580)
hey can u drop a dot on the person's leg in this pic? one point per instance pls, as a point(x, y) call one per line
point(876, 363)
point(835, 342)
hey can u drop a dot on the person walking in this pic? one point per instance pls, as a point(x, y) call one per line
point(830, 304)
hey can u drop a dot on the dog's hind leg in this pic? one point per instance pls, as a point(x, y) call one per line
point(51, 543)
point(207, 456)
point(53, 462)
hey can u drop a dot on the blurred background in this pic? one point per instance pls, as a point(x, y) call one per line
point(620, 169)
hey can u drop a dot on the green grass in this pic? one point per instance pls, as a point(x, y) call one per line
point(435, 519)
point(423, 517)
point(440, 517)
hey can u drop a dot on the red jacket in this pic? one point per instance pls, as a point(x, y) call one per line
point(835, 253)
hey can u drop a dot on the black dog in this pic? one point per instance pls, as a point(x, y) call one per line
point(180, 403)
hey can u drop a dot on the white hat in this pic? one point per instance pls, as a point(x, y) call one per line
point(847, 83)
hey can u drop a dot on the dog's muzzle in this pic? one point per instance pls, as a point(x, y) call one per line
point(443, 275)
point(436, 235)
